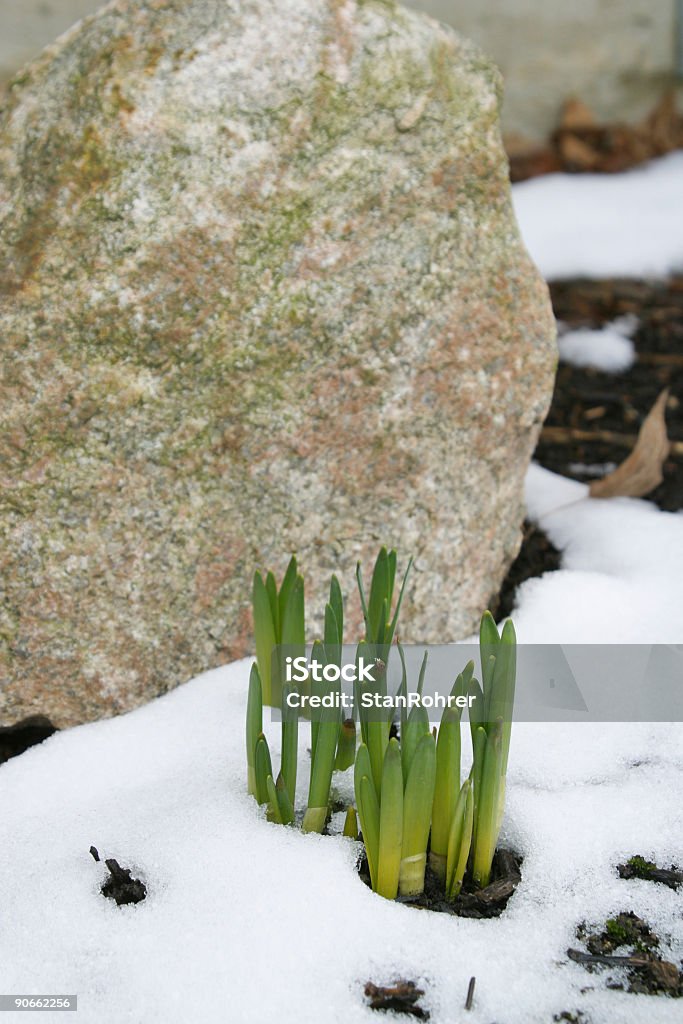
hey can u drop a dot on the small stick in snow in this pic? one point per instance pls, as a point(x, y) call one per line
point(470, 994)
point(659, 974)
point(609, 961)
point(651, 873)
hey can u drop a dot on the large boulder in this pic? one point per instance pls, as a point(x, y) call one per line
point(263, 292)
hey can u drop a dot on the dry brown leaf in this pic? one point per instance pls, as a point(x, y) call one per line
point(663, 126)
point(577, 154)
point(641, 471)
point(576, 116)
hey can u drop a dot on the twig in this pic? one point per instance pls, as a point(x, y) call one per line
point(660, 358)
point(567, 435)
point(609, 961)
point(470, 994)
point(667, 876)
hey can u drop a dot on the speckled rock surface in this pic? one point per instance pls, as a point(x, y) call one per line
point(262, 291)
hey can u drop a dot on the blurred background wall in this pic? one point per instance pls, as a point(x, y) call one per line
point(618, 56)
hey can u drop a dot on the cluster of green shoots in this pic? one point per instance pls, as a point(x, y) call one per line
point(279, 624)
point(411, 799)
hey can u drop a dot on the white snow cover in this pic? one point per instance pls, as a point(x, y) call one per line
point(604, 225)
point(610, 348)
point(251, 922)
point(621, 579)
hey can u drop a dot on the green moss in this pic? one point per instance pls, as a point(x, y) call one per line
point(617, 932)
point(92, 166)
point(625, 930)
point(641, 868)
point(19, 79)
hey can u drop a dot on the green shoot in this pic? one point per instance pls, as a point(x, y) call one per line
point(263, 769)
point(417, 813)
point(491, 731)
point(390, 823)
point(446, 790)
point(324, 753)
point(417, 726)
point(254, 726)
point(351, 823)
point(488, 806)
point(346, 745)
point(459, 840)
point(290, 744)
point(380, 626)
point(278, 621)
point(285, 806)
point(368, 810)
point(409, 793)
point(326, 725)
point(273, 802)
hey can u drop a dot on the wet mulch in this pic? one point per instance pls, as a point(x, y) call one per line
point(595, 417)
point(401, 997)
point(477, 903)
point(639, 867)
point(582, 144)
point(120, 886)
point(647, 972)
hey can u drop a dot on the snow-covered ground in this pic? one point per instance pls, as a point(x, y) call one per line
point(609, 349)
point(605, 225)
point(251, 922)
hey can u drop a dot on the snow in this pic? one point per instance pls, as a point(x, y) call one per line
point(276, 925)
point(609, 349)
point(621, 579)
point(594, 225)
point(251, 922)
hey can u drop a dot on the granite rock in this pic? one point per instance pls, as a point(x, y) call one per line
point(263, 291)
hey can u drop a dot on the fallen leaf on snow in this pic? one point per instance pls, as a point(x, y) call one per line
point(641, 471)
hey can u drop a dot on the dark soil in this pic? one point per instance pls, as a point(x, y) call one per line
point(623, 930)
point(639, 867)
point(595, 417)
point(647, 972)
point(15, 739)
point(401, 997)
point(536, 556)
point(472, 902)
point(120, 886)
